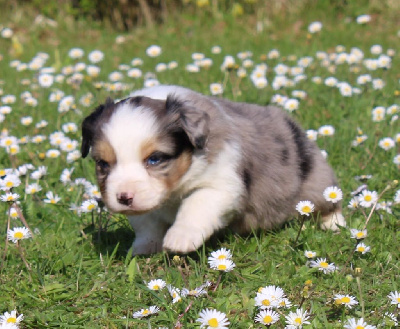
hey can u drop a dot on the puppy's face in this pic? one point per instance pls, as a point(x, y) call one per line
point(142, 148)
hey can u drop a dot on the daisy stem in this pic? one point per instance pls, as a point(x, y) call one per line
point(23, 220)
point(301, 227)
point(376, 202)
point(178, 324)
point(218, 282)
point(21, 252)
point(360, 296)
point(6, 246)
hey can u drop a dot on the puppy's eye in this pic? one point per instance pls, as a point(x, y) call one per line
point(156, 158)
point(103, 165)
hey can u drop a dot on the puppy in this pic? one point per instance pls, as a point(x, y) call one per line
point(182, 166)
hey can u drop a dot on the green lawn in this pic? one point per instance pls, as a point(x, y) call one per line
point(76, 271)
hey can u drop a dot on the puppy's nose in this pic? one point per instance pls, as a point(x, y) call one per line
point(125, 198)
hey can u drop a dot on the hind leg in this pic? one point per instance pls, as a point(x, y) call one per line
point(333, 221)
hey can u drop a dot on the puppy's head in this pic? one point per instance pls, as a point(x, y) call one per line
point(142, 148)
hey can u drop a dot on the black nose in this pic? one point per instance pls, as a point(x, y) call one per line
point(125, 198)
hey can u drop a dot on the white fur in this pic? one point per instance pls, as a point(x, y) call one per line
point(129, 174)
point(333, 221)
point(161, 92)
point(217, 185)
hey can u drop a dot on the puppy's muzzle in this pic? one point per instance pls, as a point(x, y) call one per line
point(125, 198)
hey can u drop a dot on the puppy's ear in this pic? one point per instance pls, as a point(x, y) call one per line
point(90, 125)
point(194, 121)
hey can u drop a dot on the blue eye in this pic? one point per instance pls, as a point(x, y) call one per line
point(153, 160)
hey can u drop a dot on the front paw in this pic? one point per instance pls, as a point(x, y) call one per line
point(146, 247)
point(183, 239)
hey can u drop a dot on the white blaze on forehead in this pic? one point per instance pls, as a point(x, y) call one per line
point(161, 92)
point(129, 127)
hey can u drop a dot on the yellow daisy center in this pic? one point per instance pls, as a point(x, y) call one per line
point(346, 300)
point(361, 249)
point(10, 198)
point(359, 234)
point(33, 190)
point(368, 198)
point(12, 320)
point(90, 207)
point(298, 321)
point(398, 299)
point(18, 235)
point(9, 184)
point(323, 264)
point(156, 287)
point(306, 209)
point(2, 172)
point(333, 195)
point(267, 319)
point(221, 257)
point(146, 311)
point(52, 201)
point(266, 302)
point(338, 301)
point(8, 142)
point(360, 327)
point(213, 323)
point(222, 267)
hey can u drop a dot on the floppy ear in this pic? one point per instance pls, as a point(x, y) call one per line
point(89, 126)
point(194, 121)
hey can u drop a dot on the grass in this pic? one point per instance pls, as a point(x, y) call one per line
point(83, 277)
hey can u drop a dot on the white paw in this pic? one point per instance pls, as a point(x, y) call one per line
point(333, 222)
point(183, 239)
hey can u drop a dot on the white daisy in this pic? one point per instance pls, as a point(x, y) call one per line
point(224, 265)
point(213, 319)
point(153, 51)
point(18, 233)
point(394, 298)
point(333, 194)
point(315, 27)
point(216, 89)
point(346, 300)
point(357, 324)
point(267, 317)
point(305, 207)
point(362, 248)
point(357, 234)
point(145, 312)
point(322, 265)
point(367, 198)
point(11, 318)
point(310, 254)
point(297, 319)
point(156, 284)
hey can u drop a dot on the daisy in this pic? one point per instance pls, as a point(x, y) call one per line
point(145, 312)
point(392, 318)
point(134, 73)
point(362, 248)
point(75, 53)
point(153, 51)
point(52, 153)
point(9, 197)
point(216, 50)
point(267, 317)
point(357, 234)
point(291, 104)
point(196, 292)
point(357, 324)
point(210, 318)
point(394, 297)
point(175, 294)
point(323, 265)
point(6, 33)
point(305, 207)
point(368, 198)
point(216, 89)
point(33, 188)
point(312, 134)
point(315, 27)
point(156, 284)
point(26, 121)
point(18, 233)
point(310, 254)
point(333, 194)
point(89, 205)
point(346, 300)
point(11, 318)
point(269, 296)
point(45, 80)
point(363, 19)
point(9, 181)
point(225, 265)
point(386, 143)
point(96, 56)
point(297, 319)
point(52, 198)
point(326, 130)
point(220, 254)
